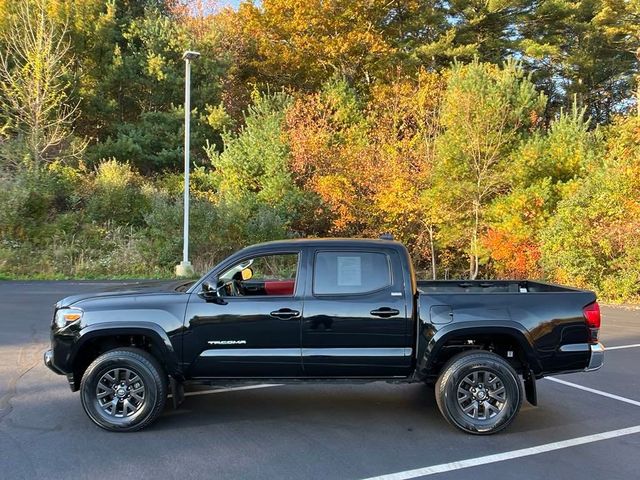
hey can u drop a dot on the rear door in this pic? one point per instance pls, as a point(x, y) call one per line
point(355, 320)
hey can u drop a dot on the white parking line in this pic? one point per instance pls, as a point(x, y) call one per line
point(620, 347)
point(593, 390)
point(501, 457)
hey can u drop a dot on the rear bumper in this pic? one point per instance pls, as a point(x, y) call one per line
point(597, 357)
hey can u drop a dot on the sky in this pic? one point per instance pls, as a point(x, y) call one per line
point(212, 6)
point(229, 3)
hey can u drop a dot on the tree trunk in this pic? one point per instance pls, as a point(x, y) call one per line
point(638, 94)
point(475, 271)
point(471, 266)
point(433, 253)
point(473, 260)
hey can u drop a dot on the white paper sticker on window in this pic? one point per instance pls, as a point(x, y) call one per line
point(349, 272)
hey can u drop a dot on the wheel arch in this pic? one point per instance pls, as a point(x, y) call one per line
point(97, 338)
point(433, 357)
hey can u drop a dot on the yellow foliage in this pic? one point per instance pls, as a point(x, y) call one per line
point(113, 174)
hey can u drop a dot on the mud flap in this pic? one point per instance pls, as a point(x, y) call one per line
point(530, 388)
point(177, 392)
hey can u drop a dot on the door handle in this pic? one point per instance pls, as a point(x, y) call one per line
point(385, 312)
point(285, 313)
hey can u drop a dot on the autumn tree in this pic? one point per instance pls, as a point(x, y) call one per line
point(486, 111)
point(331, 156)
point(372, 163)
point(403, 125)
point(568, 149)
point(303, 43)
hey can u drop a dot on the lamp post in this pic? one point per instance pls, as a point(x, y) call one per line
point(184, 269)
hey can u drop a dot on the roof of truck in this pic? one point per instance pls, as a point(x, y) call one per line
point(333, 242)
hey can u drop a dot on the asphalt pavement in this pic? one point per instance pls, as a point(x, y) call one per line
point(586, 427)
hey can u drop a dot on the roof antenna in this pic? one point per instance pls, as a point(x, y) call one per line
point(386, 236)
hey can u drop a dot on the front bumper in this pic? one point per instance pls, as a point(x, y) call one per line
point(48, 361)
point(597, 357)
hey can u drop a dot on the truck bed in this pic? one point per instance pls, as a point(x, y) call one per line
point(550, 318)
point(490, 286)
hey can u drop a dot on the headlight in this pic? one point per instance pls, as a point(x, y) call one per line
point(65, 316)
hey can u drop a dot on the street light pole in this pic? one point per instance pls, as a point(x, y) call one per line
point(184, 269)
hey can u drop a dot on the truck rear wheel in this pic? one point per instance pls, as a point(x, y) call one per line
point(124, 390)
point(479, 392)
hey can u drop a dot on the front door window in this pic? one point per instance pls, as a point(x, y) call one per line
point(267, 275)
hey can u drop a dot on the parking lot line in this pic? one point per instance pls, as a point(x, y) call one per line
point(593, 390)
point(620, 347)
point(501, 457)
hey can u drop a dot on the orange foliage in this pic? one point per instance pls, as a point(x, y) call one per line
point(327, 158)
point(403, 115)
point(514, 257)
point(304, 42)
point(370, 167)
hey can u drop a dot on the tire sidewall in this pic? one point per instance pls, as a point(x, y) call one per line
point(449, 401)
point(90, 381)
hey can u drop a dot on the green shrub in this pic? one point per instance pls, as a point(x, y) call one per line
point(593, 238)
point(163, 233)
point(31, 200)
point(117, 195)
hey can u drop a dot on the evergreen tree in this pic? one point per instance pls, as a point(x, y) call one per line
point(257, 198)
point(583, 51)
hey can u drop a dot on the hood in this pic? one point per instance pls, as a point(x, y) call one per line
point(130, 289)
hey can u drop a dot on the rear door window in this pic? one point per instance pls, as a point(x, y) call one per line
point(340, 273)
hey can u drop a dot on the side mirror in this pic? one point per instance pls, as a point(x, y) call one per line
point(211, 293)
point(247, 274)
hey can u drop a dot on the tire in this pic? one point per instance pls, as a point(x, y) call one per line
point(124, 390)
point(486, 406)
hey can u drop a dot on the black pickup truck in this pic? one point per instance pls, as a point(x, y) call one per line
point(323, 310)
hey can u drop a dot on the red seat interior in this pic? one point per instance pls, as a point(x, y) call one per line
point(279, 287)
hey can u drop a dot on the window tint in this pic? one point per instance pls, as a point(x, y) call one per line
point(264, 275)
point(350, 272)
point(275, 267)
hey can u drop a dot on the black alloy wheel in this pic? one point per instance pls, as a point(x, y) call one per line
point(124, 390)
point(479, 392)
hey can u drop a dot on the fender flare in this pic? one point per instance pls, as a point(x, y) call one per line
point(159, 338)
point(508, 328)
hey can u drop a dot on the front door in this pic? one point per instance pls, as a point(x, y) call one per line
point(355, 322)
point(257, 332)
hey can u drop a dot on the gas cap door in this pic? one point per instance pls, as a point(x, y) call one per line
point(440, 314)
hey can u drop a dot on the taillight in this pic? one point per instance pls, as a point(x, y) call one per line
point(592, 316)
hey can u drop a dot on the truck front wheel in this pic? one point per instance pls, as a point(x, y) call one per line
point(124, 390)
point(479, 392)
